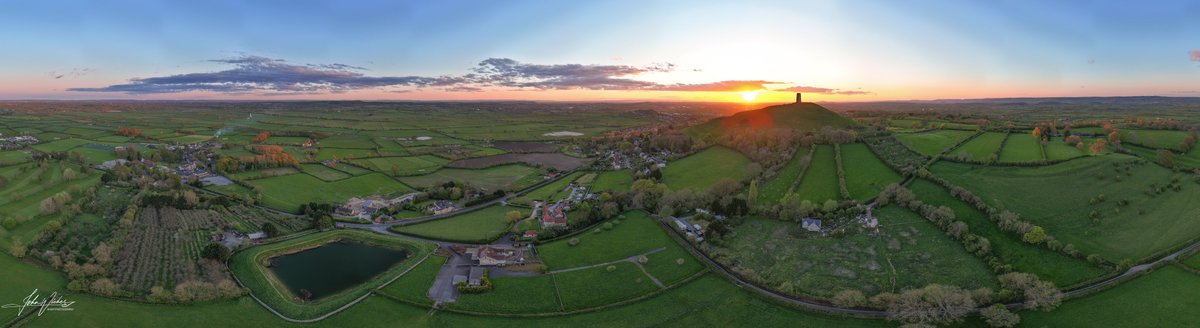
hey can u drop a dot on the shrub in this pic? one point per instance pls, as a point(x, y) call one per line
point(573, 242)
point(643, 259)
point(999, 316)
point(611, 268)
point(849, 298)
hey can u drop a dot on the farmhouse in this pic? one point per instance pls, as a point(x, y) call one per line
point(442, 207)
point(867, 220)
point(366, 207)
point(554, 215)
point(809, 224)
point(492, 255)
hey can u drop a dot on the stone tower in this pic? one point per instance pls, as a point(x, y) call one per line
point(798, 98)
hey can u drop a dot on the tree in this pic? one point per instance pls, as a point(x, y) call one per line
point(104, 286)
point(271, 230)
point(1043, 295)
point(10, 223)
point(215, 251)
point(68, 174)
point(934, 304)
point(849, 298)
point(191, 198)
point(999, 316)
point(102, 253)
point(1166, 158)
point(324, 222)
point(1035, 235)
point(752, 193)
point(666, 211)
point(17, 249)
point(1098, 146)
point(513, 216)
point(829, 206)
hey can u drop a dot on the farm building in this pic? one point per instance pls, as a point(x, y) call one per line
point(475, 276)
point(813, 225)
point(554, 215)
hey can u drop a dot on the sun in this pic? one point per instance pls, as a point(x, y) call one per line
point(748, 96)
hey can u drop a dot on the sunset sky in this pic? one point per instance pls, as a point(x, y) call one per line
point(597, 50)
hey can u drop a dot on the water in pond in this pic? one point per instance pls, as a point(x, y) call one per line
point(333, 267)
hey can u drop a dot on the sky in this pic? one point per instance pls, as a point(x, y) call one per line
point(597, 50)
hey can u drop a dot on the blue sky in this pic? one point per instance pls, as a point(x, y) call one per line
point(842, 50)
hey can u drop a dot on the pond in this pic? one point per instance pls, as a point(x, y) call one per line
point(332, 268)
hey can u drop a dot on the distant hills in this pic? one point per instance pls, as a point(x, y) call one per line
point(802, 116)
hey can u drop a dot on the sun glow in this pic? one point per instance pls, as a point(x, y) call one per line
point(748, 96)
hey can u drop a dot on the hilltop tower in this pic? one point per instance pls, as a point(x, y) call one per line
point(798, 98)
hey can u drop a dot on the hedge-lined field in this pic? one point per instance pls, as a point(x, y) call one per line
point(703, 169)
point(866, 175)
point(774, 189)
point(1021, 147)
point(288, 192)
point(982, 147)
point(479, 226)
point(933, 142)
point(820, 180)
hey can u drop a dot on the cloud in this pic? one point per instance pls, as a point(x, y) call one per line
point(825, 91)
point(504, 72)
point(1195, 55)
point(75, 72)
point(269, 76)
point(731, 85)
point(260, 74)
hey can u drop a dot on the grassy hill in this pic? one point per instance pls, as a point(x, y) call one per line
point(803, 116)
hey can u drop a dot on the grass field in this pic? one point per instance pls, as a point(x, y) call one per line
point(1048, 265)
point(933, 142)
point(553, 190)
point(636, 234)
point(535, 294)
point(479, 226)
point(326, 153)
point(613, 181)
point(288, 192)
point(61, 145)
point(1163, 298)
point(982, 147)
point(1159, 139)
point(908, 252)
point(597, 286)
point(1056, 149)
point(508, 177)
point(414, 286)
point(248, 266)
point(1021, 147)
point(773, 190)
point(402, 166)
point(665, 265)
point(866, 175)
point(820, 181)
point(323, 172)
point(1058, 198)
point(703, 169)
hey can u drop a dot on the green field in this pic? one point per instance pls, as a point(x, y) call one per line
point(597, 286)
point(414, 285)
point(1021, 147)
point(933, 142)
point(1160, 139)
point(866, 175)
point(982, 147)
point(61, 145)
point(774, 189)
point(553, 190)
point(820, 181)
point(248, 266)
point(1164, 298)
point(508, 177)
point(636, 234)
point(1058, 198)
point(535, 294)
point(613, 181)
point(479, 226)
point(402, 166)
point(1048, 265)
point(909, 252)
point(344, 154)
point(1056, 149)
point(704, 169)
point(288, 192)
point(323, 172)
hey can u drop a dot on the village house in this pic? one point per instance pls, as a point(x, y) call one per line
point(554, 215)
point(495, 255)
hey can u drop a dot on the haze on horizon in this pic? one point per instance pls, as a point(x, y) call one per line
point(594, 51)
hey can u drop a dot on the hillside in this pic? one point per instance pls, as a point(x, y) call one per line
point(803, 116)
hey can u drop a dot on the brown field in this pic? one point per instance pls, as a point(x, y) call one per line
point(555, 160)
point(526, 147)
